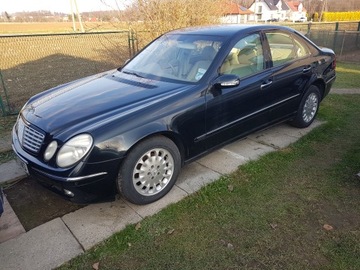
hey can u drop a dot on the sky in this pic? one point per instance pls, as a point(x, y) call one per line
point(12, 6)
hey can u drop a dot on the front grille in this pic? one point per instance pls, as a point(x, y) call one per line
point(30, 138)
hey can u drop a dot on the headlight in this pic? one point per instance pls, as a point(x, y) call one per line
point(50, 150)
point(74, 150)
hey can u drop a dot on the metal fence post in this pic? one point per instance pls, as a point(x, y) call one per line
point(132, 42)
point(3, 109)
point(129, 43)
point(342, 45)
point(357, 36)
point(308, 34)
point(336, 34)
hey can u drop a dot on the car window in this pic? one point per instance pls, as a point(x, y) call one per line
point(176, 57)
point(285, 48)
point(245, 58)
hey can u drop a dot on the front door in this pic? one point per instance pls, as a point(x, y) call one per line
point(237, 110)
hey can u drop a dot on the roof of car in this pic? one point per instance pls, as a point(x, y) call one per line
point(226, 29)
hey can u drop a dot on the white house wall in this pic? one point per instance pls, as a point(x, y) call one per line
point(266, 13)
point(236, 18)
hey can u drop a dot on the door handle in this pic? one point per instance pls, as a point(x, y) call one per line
point(266, 84)
point(307, 69)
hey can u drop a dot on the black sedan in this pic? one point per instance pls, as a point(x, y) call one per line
point(188, 92)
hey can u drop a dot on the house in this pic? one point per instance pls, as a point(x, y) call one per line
point(277, 10)
point(234, 13)
point(297, 11)
point(269, 10)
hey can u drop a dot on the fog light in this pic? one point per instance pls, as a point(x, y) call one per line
point(68, 193)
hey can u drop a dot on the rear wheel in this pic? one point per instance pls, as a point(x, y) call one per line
point(149, 171)
point(308, 108)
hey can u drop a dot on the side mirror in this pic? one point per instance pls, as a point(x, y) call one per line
point(227, 80)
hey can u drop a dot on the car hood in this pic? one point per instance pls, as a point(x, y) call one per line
point(97, 97)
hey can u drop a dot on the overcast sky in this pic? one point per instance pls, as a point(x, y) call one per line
point(12, 6)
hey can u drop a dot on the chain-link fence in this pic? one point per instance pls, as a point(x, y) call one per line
point(342, 37)
point(32, 63)
point(346, 44)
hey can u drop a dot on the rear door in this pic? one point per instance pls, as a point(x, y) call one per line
point(291, 69)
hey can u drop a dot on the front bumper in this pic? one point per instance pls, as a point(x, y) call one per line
point(85, 183)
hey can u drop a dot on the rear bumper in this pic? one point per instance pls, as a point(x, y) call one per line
point(329, 84)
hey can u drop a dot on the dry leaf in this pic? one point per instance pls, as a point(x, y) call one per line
point(273, 225)
point(328, 227)
point(230, 188)
point(138, 226)
point(171, 231)
point(230, 246)
point(95, 266)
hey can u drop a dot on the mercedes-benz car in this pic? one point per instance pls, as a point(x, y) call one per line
point(188, 92)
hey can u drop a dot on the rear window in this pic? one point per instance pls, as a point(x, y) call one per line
point(285, 47)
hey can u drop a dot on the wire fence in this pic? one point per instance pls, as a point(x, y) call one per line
point(342, 37)
point(346, 44)
point(33, 63)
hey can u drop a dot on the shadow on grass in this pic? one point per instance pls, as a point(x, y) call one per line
point(25, 80)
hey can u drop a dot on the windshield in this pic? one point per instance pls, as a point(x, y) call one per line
point(175, 57)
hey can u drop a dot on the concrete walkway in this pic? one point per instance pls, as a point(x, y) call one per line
point(56, 242)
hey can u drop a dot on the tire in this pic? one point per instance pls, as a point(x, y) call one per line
point(308, 108)
point(149, 171)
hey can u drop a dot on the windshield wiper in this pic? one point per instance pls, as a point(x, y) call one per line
point(133, 73)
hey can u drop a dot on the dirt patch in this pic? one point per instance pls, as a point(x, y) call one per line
point(35, 205)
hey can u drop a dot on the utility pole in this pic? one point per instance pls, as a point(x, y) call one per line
point(73, 3)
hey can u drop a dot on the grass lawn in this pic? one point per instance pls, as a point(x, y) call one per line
point(297, 208)
point(348, 75)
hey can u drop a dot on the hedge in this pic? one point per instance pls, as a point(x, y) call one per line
point(341, 16)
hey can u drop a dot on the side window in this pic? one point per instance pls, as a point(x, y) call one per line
point(302, 50)
point(245, 58)
point(285, 48)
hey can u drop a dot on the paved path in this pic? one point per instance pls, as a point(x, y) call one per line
point(345, 91)
point(56, 242)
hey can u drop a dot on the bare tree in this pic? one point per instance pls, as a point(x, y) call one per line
point(160, 16)
point(313, 6)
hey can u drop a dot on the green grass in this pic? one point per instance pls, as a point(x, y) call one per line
point(348, 75)
point(269, 214)
point(6, 124)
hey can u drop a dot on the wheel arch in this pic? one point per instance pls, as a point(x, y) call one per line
point(146, 133)
point(320, 84)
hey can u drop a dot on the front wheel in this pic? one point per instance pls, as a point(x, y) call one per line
point(149, 171)
point(308, 108)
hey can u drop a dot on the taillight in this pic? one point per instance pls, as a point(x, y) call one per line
point(333, 64)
